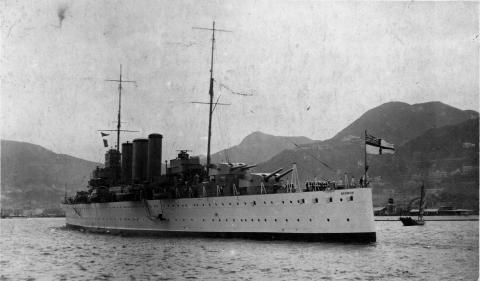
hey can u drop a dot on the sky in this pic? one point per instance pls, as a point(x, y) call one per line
point(290, 68)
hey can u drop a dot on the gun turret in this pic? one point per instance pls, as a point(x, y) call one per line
point(272, 174)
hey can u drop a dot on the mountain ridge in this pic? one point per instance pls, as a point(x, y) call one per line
point(257, 147)
point(399, 122)
point(35, 176)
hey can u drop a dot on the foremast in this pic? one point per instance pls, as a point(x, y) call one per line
point(119, 120)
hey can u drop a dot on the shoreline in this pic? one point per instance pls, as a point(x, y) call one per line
point(430, 218)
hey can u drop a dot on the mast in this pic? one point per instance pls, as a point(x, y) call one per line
point(422, 202)
point(210, 92)
point(119, 120)
point(119, 123)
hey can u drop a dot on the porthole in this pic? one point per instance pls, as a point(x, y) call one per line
point(233, 220)
point(258, 220)
point(219, 219)
point(213, 220)
point(341, 199)
point(315, 200)
point(328, 219)
point(245, 203)
point(286, 220)
point(331, 199)
point(226, 219)
point(237, 203)
point(348, 219)
point(298, 220)
point(203, 219)
point(291, 202)
point(351, 198)
point(271, 202)
point(275, 220)
point(265, 220)
point(310, 219)
point(222, 204)
point(241, 220)
point(283, 202)
point(252, 219)
point(230, 204)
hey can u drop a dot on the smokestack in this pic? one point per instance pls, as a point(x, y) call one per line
point(127, 162)
point(154, 162)
point(139, 164)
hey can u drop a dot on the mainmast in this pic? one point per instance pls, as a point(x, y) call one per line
point(119, 120)
point(210, 92)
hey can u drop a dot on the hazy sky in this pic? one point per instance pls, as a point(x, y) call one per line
point(310, 67)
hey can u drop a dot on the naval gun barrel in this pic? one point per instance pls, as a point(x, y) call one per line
point(277, 178)
point(237, 167)
point(272, 174)
point(248, 167)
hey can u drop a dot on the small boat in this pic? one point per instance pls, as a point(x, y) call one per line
point(409, 221)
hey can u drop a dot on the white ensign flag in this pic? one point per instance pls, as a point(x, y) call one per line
point(378, 146)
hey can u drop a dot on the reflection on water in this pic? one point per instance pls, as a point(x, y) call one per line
point(43, 249)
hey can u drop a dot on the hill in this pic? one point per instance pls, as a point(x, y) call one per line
point(400, 122)
point(33, 176)
point(446, 158)
point(258, 147)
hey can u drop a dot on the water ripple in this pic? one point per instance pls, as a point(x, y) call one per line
point(43, 249)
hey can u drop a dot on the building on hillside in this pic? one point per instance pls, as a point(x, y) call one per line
point(443, 211)
point(450, 211)
point(467, 169)
point(426, 212)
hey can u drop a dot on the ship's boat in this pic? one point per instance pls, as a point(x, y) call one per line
point(409, 221)
point(130, 194)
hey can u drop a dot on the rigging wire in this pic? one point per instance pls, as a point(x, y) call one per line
point(222, 134)
point(221, 85)
point(311, 155)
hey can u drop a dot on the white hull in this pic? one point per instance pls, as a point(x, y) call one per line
point(322, 213)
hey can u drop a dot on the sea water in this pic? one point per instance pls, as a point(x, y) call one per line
point(43, 249)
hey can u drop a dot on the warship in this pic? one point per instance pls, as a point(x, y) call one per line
point(131, 195)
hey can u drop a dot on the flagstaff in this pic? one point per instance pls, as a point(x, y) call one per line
point(366, 167)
